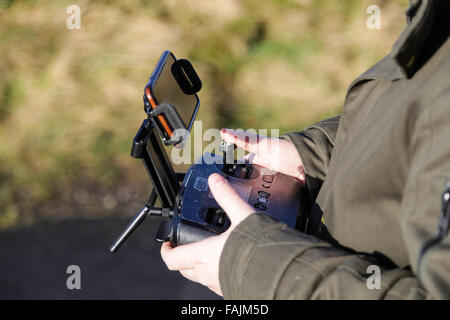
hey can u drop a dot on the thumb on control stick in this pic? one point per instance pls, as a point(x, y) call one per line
point(229, 200)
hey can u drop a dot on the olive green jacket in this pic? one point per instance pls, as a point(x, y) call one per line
point(375, 176)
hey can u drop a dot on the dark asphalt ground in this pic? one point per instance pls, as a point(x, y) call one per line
point(33, 263)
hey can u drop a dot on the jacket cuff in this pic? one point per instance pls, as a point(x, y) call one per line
point(314, 166)
point(304, 151)
point(315, 146)
point(253, 262)
point(306, 148)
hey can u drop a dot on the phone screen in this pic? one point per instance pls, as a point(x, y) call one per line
point(166, 89)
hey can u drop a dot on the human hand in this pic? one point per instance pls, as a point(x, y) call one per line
point(199, 261)
point(275, 154)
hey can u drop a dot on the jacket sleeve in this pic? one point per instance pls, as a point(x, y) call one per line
point(315, 145)
point(264, 259)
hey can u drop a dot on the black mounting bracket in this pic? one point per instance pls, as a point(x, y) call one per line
point(166, 182)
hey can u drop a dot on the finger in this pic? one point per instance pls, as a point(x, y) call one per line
point(228, 199)
point(270, 163)
point(216, 290)
point(181, 257)
point(189, 274)
point(247, 140)
point(227, 135)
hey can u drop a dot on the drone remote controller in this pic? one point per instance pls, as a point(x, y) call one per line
point(186, 201)
point(197, 215)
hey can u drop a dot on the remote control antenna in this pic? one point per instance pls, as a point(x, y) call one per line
point(137, 220)
point(126, 233)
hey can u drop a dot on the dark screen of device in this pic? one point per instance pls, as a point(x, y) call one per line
point(166, 89)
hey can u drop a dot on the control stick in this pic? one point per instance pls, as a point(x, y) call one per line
point(227, 148)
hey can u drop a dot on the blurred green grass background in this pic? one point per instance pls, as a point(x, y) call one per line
point(71, 100)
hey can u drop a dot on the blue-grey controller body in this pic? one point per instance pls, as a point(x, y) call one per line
point(197, 215)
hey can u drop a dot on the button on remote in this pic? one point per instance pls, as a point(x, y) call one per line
point(260, 207)
point(262, 200)
point(263, 194)
point(267, 178)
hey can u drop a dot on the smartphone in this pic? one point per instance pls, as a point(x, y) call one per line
point(163, 87)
